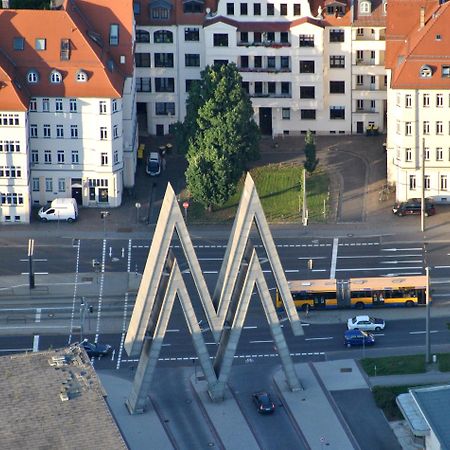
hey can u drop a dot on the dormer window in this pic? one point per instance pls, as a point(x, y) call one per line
point(64, 53)
point(32, 76)
point(365, 8)
point(40, 44)
point(81, 76)
point(425, 71)
point(55, 77)
point(193, 6)
point(160, 10)
point(384, 7)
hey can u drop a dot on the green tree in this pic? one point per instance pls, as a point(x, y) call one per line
point(218, 129)
point(311, 161)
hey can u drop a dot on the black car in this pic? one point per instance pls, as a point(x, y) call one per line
point(96, 349)
point(413, 206)
point(263, 402)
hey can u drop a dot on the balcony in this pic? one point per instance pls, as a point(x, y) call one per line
point(266, 95)
point(269, 44)
point(265, 69)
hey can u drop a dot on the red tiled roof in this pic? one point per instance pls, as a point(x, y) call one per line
point(377, 18)
point(12, 97)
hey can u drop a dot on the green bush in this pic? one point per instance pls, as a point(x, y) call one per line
point(385, 396)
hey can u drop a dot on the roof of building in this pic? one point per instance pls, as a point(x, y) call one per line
point(86, 49)
point(376, 18)
point(54, 399)
point(410, 46)
point(13, 95)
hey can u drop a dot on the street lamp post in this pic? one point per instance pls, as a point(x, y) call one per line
point(104, 215)
point(427, 317)
point(138, 207)
point(30, 263)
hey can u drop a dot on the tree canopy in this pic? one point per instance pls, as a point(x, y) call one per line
point(311, 161)
point(218, 134)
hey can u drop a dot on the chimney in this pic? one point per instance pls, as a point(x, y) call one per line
point(422, 17)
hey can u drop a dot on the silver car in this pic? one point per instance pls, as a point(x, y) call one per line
point(365, 323)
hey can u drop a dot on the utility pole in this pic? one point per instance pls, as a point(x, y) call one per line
point(427, 317)
point(422, 176)
point(30, 263)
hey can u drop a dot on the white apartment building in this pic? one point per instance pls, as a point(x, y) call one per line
point(305, 66)
point(70, 89)
point(419, 101)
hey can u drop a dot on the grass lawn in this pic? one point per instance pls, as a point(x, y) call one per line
point(444, 362)
point(394, 365)
point(279, 188)
point(385, 399)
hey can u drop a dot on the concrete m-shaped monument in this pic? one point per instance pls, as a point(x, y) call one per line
point(162, 282)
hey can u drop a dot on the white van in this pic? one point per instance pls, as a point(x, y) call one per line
point(153, 167)
point(60, 209)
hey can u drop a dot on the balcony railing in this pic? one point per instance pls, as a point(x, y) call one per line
point(370, 37)
point(270, 44)
point(265, 69)
point(266, 95)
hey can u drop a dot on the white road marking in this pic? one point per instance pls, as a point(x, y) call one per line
point(250, 327)
point(172, 331)
point(123, 252)
point(378, 256)
point(35, 343)
point(320, 338)
point(403, 262)
point(210, 271)
point(35, 259)
point(377, 268)
point(110, 252)
point(401, 249)
point(434, 295)
point(262, 342)
point(36, 273)
point(440, 282)
point(312, 257)
point(46, 308)
point(334, 258)
point(32, 327)
point(441, 267)
point(38, 315)
point(423, 332)
point(210, 259)
point(166, 345)
point(16, 350)
point(319, 270)
point(290, 271)
point(113, 354)
point(377, 334)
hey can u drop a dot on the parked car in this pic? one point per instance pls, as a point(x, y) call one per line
point(263, 402)
point(96, 349)
point(413, 206)
point(365, 323)
point(154, 164)
point(358, 338)
point(60, 209)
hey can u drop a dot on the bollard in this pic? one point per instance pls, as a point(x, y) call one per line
point(310, 264)
point(434, 359)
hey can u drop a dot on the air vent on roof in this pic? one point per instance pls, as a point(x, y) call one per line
point(95, 37)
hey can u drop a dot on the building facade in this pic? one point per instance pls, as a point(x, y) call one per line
point(306, 65)
point(418, 150)
point(70, 90)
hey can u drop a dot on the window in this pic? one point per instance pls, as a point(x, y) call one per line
point(189, 84)
point(337, 62)
point(191, 34)
point(439, 100)
point(427, 181)
point(103, 133)
point(408, 155)
point(284, 37)
point(359, 80)
point(163, 37)
point(34, 156)
point(61, 185)
point(102, 107)
point(306, 40)
point(337, 113)
point(426, 127)
point(297, 9)
point(74, 131)
point(164, 109)
point(142, 59)
point(18, 43)
point(8, 120)
point(163, 59)
point(33, 104)
point(73, 105)
point(283, 9)
point(244, 36)
point(45, 104)
point(64, 50)
point(48, 185)
point(164, 85)
point(81, 76)
point(256, 9)
point(244, 9)
point(412, 182)
point(33, 131)
point(408, 101)
point(191, 60)
point(426, 152)
point(193, 6)
point(32, 76)
point(439, 154)
point(360, 105)
point(47, 157)
point(271, 62)
point(270, 9)
point(60, 156)
point(55, 77)
point(10, 172)
point(75, 157)
point(408, 128)
point(35, 184)
point(114, 34)
point(337, 87)
point(425, 71)
point(306, 66)
point(308, 114)
point(104, 159)
point(47, 131)
point(244, 62)
point(58, 104)
point(364, 8)
point(220, 39)
point(160, 13)
point(59, 131)
point(445, 72)
point(443, 183)
point(284, 62)
point(307, 92)
point(143, 84)
point(39, 44)
point(285, 88)
point(439, 127)
point(115, 132)
point(230, 9)
point(142, 36)
point(114, 106)
point(11, 199)
point(258, 62)
point(336, 35)
point(9, 146)
point(116, 157)
point(426, 100)
point(286, 113)
point(271, 87)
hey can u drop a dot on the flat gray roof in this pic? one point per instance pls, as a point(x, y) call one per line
point(54, 400)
